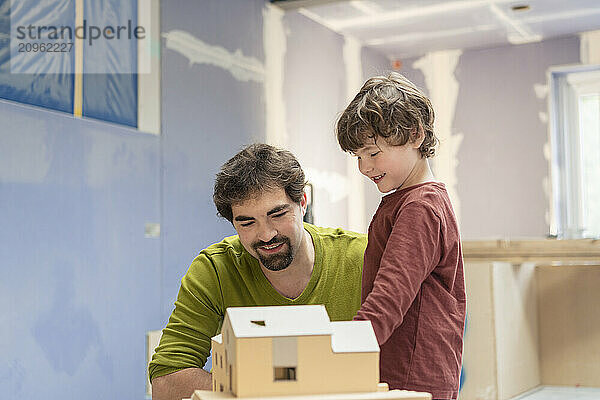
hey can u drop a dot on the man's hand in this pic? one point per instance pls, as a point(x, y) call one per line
point(181, 384)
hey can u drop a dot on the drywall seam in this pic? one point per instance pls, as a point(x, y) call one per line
point(242, 68)
point(438, 69)
point(589, 47)
point(402, 14)
point(275, 47)
point(356, 196)
point(416, 36)
point(367, 7)
point(319, 20)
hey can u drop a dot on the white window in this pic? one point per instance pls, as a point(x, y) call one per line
point(575, 139)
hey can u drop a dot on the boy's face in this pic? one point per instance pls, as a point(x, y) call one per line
point(270, 227)
point(388, 166)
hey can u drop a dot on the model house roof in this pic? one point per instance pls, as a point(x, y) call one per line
point(279, 321)
point(353, 337)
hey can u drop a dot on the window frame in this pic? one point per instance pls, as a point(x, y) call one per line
point(567, 84)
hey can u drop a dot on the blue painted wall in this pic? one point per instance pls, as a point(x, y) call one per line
point(77, 272)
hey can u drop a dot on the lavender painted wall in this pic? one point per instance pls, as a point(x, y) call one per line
point(314, 94)
point(374, 63)
point(501, 161)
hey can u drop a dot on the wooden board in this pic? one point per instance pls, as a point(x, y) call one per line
point(569, 315)
point(516, 328)
point(539, 251)
point(479, 352)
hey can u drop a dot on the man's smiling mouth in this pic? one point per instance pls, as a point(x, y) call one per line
point(272, 246)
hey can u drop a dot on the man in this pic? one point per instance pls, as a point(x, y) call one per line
point(275, 259)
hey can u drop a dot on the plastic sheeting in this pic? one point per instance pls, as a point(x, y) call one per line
point(50, 90)
point(46, 79)
point(111, 96)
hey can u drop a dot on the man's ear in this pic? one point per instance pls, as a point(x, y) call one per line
point(417, 137)
point(303, 203)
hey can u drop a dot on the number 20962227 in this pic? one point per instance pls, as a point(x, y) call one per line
point(45, 47)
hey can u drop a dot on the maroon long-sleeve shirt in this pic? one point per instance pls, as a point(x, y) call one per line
point(413, 290)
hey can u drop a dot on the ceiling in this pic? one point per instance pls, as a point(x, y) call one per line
point(407, 28)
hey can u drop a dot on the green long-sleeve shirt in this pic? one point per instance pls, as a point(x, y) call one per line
point(226, 275)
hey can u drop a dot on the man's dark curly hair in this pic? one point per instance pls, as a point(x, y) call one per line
point(257, 168)
point(390, 107)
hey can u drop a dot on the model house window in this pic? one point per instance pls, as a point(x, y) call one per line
point(575, 140)
point(285, 373)
point(285, 358)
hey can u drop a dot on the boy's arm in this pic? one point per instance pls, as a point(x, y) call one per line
point(411, 253)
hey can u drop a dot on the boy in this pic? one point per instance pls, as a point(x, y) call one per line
point(413, 286)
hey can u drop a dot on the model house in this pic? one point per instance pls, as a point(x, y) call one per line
point(294, 351)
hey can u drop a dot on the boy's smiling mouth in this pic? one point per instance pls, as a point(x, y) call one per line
point(377, 178)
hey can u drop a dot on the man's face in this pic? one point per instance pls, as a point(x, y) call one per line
point(270, 227)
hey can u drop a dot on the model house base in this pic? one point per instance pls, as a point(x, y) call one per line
point(391, 395)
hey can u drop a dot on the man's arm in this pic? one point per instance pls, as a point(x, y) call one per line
point(175, 369)
point(181, 384)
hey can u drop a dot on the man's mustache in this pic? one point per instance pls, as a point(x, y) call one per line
point(276, 239)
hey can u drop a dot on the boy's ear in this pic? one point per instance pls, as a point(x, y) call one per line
point(418, 136)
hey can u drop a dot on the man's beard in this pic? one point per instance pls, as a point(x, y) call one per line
point(279, 261)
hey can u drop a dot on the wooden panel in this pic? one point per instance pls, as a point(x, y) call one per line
point(479, 354)
point(543, 250)
point(516, 324)
point(569, 312)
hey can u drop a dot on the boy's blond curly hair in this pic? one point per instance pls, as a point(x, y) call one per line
point(390, 107)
